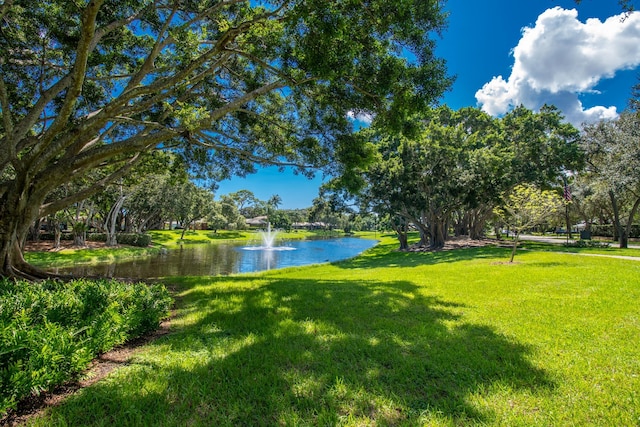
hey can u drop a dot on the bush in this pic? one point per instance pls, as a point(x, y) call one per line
point(587, 244)
point(51, 236)
point(50, 331)
point(135, 239)
point(606, 230)
point(132, 239)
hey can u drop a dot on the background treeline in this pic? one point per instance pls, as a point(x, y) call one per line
point(443, 175)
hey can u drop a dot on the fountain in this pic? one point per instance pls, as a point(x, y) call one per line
point(268, 239)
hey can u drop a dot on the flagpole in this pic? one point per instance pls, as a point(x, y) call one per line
point(566, 214)
point(567, 198)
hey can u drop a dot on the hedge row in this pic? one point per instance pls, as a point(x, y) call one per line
point(133, 239)
point(606, 230)
point(50, 331)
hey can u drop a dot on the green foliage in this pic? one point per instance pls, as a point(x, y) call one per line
point(525, 207)
point(606, 230)
point(587, 244)
point(50, 331)
point(613, 168)
point(133, 239)
point(452, 167)
point(227, 85)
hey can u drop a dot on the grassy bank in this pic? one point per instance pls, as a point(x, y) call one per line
point(388, 338)
point(168, 239)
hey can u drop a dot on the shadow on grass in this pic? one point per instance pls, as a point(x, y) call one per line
point(311, 352)
point(381, 257)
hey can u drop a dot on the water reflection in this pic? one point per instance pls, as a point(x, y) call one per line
point(221, 259)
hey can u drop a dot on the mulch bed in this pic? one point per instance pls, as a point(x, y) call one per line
point(457, 243)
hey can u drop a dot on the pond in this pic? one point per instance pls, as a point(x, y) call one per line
point(222, 259)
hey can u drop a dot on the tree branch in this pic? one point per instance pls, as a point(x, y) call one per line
point(76, 77)
point(55, 206)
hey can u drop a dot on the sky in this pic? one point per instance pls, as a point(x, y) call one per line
point(583, 58)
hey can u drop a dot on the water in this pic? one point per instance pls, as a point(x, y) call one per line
point(222, 259)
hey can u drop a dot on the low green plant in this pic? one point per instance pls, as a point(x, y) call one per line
point(587, 244)
point(51, 330)
point(133, 239)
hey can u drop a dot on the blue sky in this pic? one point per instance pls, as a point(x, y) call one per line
point(582, 58)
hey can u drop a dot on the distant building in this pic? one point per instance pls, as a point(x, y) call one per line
point(259, 221)
point(309, 225)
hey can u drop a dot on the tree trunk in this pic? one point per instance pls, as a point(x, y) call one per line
point(478, 221)
point(496, 230)
point(79, 238)
point(617, 228)
point(57, 234)
point(438, 234)
point(110, 223)
point(425, 237)
point(403, 238)
point(401, 232)
point(624, 234)
point(34, 231)
point(17, 212)
point(515, 246)
point(567, 219)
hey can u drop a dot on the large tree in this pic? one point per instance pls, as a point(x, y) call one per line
point(229, 83)
point(613, 154)
point(454, 166)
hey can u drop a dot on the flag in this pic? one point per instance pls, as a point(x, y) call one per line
point(567, 192)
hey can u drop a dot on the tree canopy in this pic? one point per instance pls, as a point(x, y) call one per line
point(525, 207)
point(613, 166)
point(454, 167)
point(226, 83)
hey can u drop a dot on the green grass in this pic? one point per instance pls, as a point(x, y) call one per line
point(612, 250)
point(67, 257)
point(389, 338)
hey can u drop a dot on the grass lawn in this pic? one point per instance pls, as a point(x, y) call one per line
point(388, 338)
point(559, 247)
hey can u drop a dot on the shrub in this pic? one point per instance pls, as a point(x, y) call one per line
point(50, 331)
point(135, 239)
point(606, 230)
point(587, 244)
point(132, 239)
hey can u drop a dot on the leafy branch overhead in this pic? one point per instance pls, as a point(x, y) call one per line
point(228, 84)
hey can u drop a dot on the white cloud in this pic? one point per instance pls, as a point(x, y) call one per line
point(561, 57)
point(362, 117)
